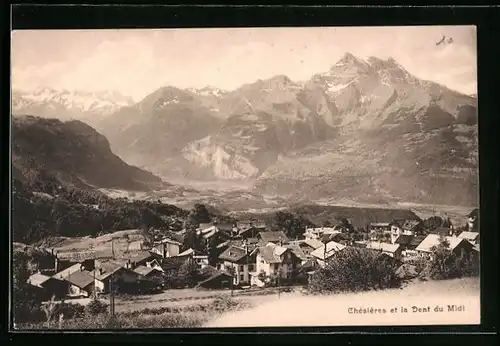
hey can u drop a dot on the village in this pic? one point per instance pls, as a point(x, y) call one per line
point(250, 255)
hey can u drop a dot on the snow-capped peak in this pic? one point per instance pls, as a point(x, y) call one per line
point(99, 102)
point(208, 91)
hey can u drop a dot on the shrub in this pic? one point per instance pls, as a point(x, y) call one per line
point(96, 307)
point(356, 269)
point(446, 264)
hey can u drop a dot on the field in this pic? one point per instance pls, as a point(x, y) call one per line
point(120, 242)
point(186, 298)
point(296, 310)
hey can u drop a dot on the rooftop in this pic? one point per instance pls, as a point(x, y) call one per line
point(386, 247)
point(314, 243)
point(143, 270)
point(275, 236)
point(233, 254)
point(327, 250)
point(433, 240)
point(64, 273)
point(38, 279)
point(272, 254)
point(469, 235)
point(81, 278)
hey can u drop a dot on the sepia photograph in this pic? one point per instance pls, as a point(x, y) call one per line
point(244, 177)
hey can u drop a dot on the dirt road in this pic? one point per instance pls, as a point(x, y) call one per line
point(420, 300)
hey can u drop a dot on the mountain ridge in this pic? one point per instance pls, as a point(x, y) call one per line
point(369, 108)
point(71, 153)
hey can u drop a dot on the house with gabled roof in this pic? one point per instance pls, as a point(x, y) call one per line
point(307, 246)
point(112, 274)
point(273, 237)
point(48, 286)
point(198, 257)
point(325, 252)
point(81, 284)
point(250, 231)
point(473, 237)
point(275, 260)
point(211, 278)
point(319, 233)
point(166, 247)
point(392, 250)
point(150, 273)
point(408, 244)
point(456, 244)
point(238, 260)
point(406, 227)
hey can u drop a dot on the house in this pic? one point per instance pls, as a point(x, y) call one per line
point(48, 286)
point(442, 231)
point(113, 275)
point(64, 273)
point(150, 273)
point(143, 258)
point(342, 238)
point(392, 250)
point(407, 227)
point(472, 219)
point(81, 284)
point(456, 245)
point(308, 245)
point(473, 237)
point(317, 233)
point(323, 253)
point(197, 256)
point(171, 266)
point(87, 258)
point(381, 227)
point(408, 244)
point(215, 279)
point(166, 248)
point(250, 231)
point(297, 251)
point(275, 260)
point(238, 260)
point(273, 237)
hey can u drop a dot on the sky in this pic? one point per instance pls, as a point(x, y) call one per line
point(135, 62)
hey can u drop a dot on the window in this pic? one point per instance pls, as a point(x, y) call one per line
point(242, 277)
point(251, 267)
point(241, 268)
point(276, 266)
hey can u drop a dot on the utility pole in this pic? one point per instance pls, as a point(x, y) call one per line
point(279, 275)
point(112, 287)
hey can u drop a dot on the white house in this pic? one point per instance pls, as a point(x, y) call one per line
point(405, 227)
point(456, 244)
point(317, 233)
point(323, 253)
point(473, 237)
point(238, 261)
point(274, 260)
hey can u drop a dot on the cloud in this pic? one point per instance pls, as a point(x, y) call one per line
point(136, 62)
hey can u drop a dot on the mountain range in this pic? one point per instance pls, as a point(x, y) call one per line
point(65, 104)
point(366, 130)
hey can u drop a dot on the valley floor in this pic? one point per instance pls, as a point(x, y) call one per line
point(297, 310)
